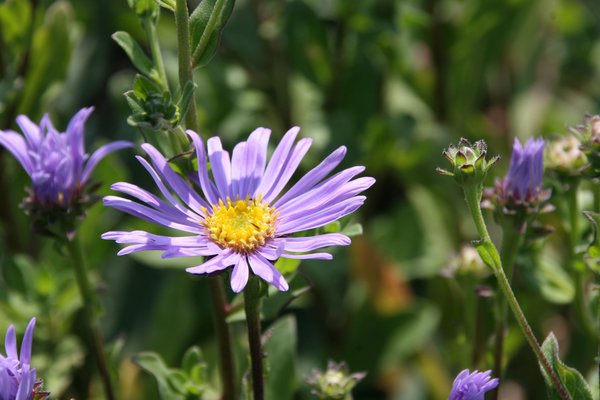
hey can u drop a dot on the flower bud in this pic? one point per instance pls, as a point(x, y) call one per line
point(565, 158)
point(335, 383)
point(589, 135)
point(469, 165)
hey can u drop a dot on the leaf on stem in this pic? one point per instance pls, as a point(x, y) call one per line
point(488, 253)
point(136, 54)
point(573, 381)
point(206, 29)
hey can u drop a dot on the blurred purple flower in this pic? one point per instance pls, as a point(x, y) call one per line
point(56, 162)
point(17, 378)
point(472, 385)
point(242, 219)
point(523, 182)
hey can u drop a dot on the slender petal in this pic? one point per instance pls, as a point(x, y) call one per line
point(99, 154)
point(16, 145)
point(267, 271)
point(239, 276)
point(221, 166)
point(25, 356)
point(217, 263)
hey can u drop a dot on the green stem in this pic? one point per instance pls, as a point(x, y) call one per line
point(577, 273)
point(223, 337)
point(252, 303)
point(89, 300)
point(473, 197)
point(208, 30)
point(184, 57)
point(511, 243)
point(151, 32)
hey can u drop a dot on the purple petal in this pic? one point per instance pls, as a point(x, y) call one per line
point(289, 168)
point(239, 276)
point(16, 145)
point(26, 345)
point(221, 166)
point(217, 263)
point(208, 187)
point(179, 185)
point(280, 155)
point(26, 385)
point(321, 218)
point(10, 343)
point(267, 271)
point(149, 214)
point(309, 256)
point(309, 243)
point(31, 131)
point(99, 154)
point(75, 131)
point(314, 176)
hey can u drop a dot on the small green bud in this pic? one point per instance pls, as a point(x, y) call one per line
point(335, 383)
point(469, 165)
point(589, 135)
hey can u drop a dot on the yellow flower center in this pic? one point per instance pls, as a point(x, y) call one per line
point(241, 225)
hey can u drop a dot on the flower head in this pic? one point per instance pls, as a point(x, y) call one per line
point(564, 156)
point(523, 182)
point(243, 218)
point(469, 163)
point(59, 168)
point(56, 162)
point(588, 134)
point(17, 378)
point(472, 385)
point(336, 382)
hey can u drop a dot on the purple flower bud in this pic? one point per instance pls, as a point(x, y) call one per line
point(472, 385)
point(523, 183)
point(56, 162)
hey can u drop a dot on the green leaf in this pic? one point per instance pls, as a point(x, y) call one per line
point(136, 54)
point(152, 363)
point(488, 253)
point(351, 230)
point(573, 381)
point(280, 382)
point(592, 256)
point(168, 4)
point(199, 21)
point(184, 100)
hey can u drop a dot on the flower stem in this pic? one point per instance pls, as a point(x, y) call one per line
point(184, 57)
point(150, 27)
point(577, 271)
point(227, 366)
point(89, 300)
point(252, 303)
point(473, 197)
point(511, 243)
point(208, 31)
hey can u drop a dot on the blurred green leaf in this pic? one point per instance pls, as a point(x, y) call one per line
point(592, 256)
point(573, 381)
point(199, 21)
point(280, 348)
point(553, 282)
point(488, 253)
point(152, 363)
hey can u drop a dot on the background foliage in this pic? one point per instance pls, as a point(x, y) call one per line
point(394, 81)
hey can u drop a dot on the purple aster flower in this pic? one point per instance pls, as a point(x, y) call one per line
point(243, 218)
point(56, 162)
point(523, 183)
point(17, 378)
point(472, 385)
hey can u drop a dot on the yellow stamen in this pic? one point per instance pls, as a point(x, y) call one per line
point(241, 225)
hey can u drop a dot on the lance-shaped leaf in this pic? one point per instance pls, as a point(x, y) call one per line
point(572, 380)
point(206, 25)
point(136, 54)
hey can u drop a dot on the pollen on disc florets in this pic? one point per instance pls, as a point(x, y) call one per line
point(241, 225)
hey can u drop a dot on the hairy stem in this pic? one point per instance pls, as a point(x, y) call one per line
point(186, 72)
point(511, 243)
point(89, 300)
point(252, 305)
point(150, 27)
point(473, 197)
point(220, 310)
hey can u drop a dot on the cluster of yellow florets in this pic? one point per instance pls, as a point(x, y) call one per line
point(241, 225)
